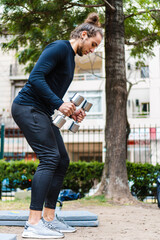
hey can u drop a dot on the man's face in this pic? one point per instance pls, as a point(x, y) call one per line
point(88, 45)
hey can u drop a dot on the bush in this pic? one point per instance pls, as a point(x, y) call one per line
point(81, 176)
point(143, 178)
point(19, 173)
point(3, 166)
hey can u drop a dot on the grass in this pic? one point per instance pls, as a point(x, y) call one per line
point(95, 200)
point(23, 204)
point(99, 199)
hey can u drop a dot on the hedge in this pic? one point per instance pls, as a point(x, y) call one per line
point(81, 176)
point(142, 179)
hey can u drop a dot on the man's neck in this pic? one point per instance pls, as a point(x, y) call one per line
point(74, 44)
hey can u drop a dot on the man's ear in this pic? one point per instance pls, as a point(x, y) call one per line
point(84, 35)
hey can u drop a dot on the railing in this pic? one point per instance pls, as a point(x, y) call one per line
point(87, 77)
point(87, 144)
point(139, 114)
point(144, 145)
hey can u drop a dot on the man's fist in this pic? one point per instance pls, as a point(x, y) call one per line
point(67, 108)
point(78, 115)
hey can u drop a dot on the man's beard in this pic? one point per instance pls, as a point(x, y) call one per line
point(80, 48)
point(80, 51)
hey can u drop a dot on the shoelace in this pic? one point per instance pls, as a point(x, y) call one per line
point(61, 220)
point(49, 225)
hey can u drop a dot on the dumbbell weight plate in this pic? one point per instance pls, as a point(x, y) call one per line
point(59, 121)
point(86, 106)
point(77, 99)
point(74, 127)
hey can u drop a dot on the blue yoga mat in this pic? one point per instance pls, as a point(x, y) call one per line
point(71, 223)
point(5, 236)
point(73, 218)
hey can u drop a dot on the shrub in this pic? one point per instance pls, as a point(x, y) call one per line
point(19, 173)
point(143, 178)
point(81, 176)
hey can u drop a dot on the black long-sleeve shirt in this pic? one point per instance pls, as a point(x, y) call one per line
point(50, 78)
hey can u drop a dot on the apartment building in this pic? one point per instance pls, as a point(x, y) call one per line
point(143, 108)
point(88, 81)
point(143, 102)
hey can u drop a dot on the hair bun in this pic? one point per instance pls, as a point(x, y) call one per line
point(93, 18)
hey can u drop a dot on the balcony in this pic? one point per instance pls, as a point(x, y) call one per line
point(87, 77)
point(139, 114)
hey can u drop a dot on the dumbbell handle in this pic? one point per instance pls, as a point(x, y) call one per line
point(60, 120)
point(75, 125)
point(76, 100)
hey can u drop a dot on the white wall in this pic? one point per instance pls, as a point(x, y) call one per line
point(6, 59)
point(146, 90)
point(155, 85)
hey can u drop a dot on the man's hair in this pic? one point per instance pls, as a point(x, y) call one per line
point(91, 25)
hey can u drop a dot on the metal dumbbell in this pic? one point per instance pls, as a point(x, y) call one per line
point(60, 120)
point(75, 125)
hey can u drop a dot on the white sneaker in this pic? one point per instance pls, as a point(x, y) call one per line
point(40, 230)
point(60, 225)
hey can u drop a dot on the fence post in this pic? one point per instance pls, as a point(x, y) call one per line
point(2, 141)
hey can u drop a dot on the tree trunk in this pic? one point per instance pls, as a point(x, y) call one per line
point(114, 182)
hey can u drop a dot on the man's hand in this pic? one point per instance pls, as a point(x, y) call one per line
point(67, 108)
point(78, 115)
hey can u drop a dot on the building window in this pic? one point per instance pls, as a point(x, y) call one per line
point(94, 97)
point(145, 72)
point(145, 107)
point(16, 86)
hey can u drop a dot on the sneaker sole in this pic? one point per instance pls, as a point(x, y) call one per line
point(67, 231)
point(32, 235)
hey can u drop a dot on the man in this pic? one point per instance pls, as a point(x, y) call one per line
point(32, 110)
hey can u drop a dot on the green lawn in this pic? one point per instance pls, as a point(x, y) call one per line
point(23, 204)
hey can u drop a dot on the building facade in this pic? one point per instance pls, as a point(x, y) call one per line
point(143, 104)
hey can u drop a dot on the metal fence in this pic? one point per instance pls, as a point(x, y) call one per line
point(144, 145)
point(87, 144)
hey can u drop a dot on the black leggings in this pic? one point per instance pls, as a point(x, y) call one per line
point(46, 141)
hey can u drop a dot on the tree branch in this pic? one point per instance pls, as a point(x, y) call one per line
point(109, 5)
point(87, 6)
point(142, 40)
point(132, 84)
point(141, 12)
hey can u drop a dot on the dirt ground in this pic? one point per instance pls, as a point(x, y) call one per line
point(116, 222)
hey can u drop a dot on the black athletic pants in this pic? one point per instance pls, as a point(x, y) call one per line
point(46, 141)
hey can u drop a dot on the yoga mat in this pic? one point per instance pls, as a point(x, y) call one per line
point(5, 236)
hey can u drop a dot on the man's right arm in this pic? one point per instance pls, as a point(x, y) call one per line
point(47, 62)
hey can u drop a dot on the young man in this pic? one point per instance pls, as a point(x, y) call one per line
point(32, 110)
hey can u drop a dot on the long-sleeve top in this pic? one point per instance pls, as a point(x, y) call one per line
point(50, 78)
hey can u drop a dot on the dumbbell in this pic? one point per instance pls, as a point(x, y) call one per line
point(60, 120)
point(75, 125)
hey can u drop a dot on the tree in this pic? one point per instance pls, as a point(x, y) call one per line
point(35, 23)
